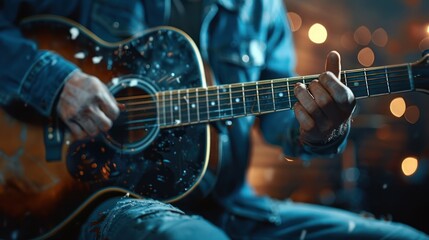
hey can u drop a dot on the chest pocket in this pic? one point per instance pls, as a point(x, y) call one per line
point(248, 54)
point(239, 63)
point(115, 20)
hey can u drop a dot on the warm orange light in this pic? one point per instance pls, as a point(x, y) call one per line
point(366, 57)
point(397, 107)
point(379, 37)
point(424, 44)
point(295, 21)
point(412, 114)
point(362, 36)
point(318, 33)
point(409, 166)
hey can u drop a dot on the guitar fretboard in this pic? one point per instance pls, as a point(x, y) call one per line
point(213, 103)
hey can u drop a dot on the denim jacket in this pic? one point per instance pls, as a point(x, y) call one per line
point(242, 40)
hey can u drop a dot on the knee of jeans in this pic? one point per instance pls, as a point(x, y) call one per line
point(127, 215)
point(188, 227)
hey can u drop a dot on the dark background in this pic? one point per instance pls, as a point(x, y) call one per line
point(368, 176)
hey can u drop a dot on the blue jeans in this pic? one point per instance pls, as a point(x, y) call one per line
point(127, 218)
point(303, 221)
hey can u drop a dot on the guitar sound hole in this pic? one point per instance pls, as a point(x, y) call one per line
point(137, 123)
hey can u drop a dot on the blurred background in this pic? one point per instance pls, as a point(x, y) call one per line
point(384, 171)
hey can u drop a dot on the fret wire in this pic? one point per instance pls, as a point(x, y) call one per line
point(207, 102)
point(272, 94)
point(171, 107)
point(291, 90)
point(395, 70)
point(163, 106)
point(366, 82)
point(359, 78)
point(187, 100)
point(244, 99)
point(157, 109)
point(179, 108)
point(387, 79)
point(257, 97)
point(230, 100)
point(399, 77)
point(379, 78)
point(375, 82)
point(345, 78)
point(218, 101)
point(198, 105)
point(398, 69)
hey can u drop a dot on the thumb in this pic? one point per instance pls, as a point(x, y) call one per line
point(333, 63)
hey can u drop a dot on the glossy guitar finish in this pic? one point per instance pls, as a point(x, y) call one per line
point(137, 156)
point(160, 145)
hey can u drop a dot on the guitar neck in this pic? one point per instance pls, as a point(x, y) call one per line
point(213, 103)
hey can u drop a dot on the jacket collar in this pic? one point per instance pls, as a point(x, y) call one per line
point(232, 5)
point(164, 7)
point(158, 6)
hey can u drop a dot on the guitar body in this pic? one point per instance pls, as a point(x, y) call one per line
point(160, 145)
point(47, 178)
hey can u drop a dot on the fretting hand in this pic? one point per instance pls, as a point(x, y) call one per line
point(325, 105)
point(86, 106)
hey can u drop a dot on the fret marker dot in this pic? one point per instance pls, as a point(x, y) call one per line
point(193, 105)
point(355, 84)
point(176, 108)
point(213, 103)
point(237, 100)
point(281, 94)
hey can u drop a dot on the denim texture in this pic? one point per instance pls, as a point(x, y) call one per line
point(243, 41)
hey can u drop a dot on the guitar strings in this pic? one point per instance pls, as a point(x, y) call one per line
point(347, 76)
point(228, 103)
point(224, 110)
point(171, 95)
point(171, 101)
point(287, 80)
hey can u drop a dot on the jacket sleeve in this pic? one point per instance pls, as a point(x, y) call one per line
point(28, 74)
point(282, 128)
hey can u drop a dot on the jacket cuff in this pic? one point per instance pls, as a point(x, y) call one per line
point(44, 81)
point(293, 147)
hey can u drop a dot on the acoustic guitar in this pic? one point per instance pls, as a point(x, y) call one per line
point(160, 146)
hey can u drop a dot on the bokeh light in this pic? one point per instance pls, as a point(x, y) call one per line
point(366, 57)
point(362, 36)
point(397, 107)
point(295, 21)
point(409, 166)
point(318, 33)
point(424, 44)
point(380, 37)
point(412, 114)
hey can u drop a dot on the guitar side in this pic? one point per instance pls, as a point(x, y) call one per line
point(39, 195)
